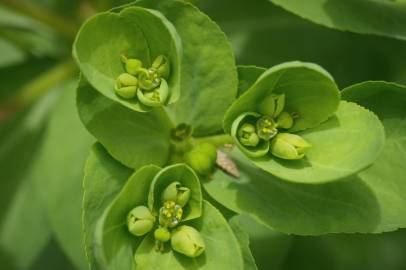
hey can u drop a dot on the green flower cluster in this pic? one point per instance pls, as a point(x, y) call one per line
point(184, 239)
point(149, 85)
point(260, 132)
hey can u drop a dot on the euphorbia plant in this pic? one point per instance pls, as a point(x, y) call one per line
point(159, 90)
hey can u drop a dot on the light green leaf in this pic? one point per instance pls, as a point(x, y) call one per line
point(387, 18)
point(58, 170)
point(222, 248)
point(104, 178)
point(117, 243)
point(188, 178)
point(243, 239)
point(247, 75)
point(310, 92)
point(207, 53)
point(11, 55)
point(135, 139)
point(135, 32)
point(340, 148)
point(386, 176)
point(293, 208)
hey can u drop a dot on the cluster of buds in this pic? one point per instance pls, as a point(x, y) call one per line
point(183, 238)
point(260, 133)
point(149, 85)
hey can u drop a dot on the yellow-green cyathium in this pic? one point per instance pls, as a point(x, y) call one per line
point(264, 131)
point(148, 85)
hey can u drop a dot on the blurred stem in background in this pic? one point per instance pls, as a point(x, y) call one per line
point(61, 25)
point(32, 90)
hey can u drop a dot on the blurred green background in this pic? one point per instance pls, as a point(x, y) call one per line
point(43, 145)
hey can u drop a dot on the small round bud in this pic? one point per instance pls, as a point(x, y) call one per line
point(126, 92)
point(140, 221)
point(187, 241)
point(126, 79)
point(175, 192)
point(132, 66)
point(266, 128)
point(148, 79)
point(272, 105)
point(162, 234)
point(202, 158)
point(247, 135)
point(161, 65)
point(156, 97)
point(285, 120)
point(170, 214)
point(289, 146)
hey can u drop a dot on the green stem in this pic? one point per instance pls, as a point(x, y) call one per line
point(40, 85)
point(52, 20)
point(216, 140)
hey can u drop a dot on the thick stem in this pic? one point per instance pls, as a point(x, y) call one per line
point(52, 20)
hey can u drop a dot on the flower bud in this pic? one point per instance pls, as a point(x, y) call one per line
point(140, 221)
point(126, 92)
point(175, 192)
point(202, 158)
point(247, 135)
point(126, 79)
point(266, 128)
point(289, 146)
point(170, 214)
point(156, 97)
point(148, 79)
point(132, 66)
point(272, 105)
point(162, 234)
point(161, 65)
point(188, 241)
point(285, 120)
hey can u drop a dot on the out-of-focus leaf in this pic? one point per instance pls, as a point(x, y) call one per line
point(348, 252)
point(265, 35)
point(23, 228)
point(24, 231)
point(58, 173)
point(269, 248)
point(10, 54)
point(386, 18)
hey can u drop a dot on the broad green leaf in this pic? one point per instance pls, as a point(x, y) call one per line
point(58, 170)
point(310, 91)
point(340, 148)
point(222, 248)
point(117, 243)
point(135, 32)
point(247, 75)
point(386, 18)
point(243, 239)
point(188, 178)
point(104, 178)
point(208, 67)
point(135, 139)
point(269, 248)
point(293, 208)
point(386, 176)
